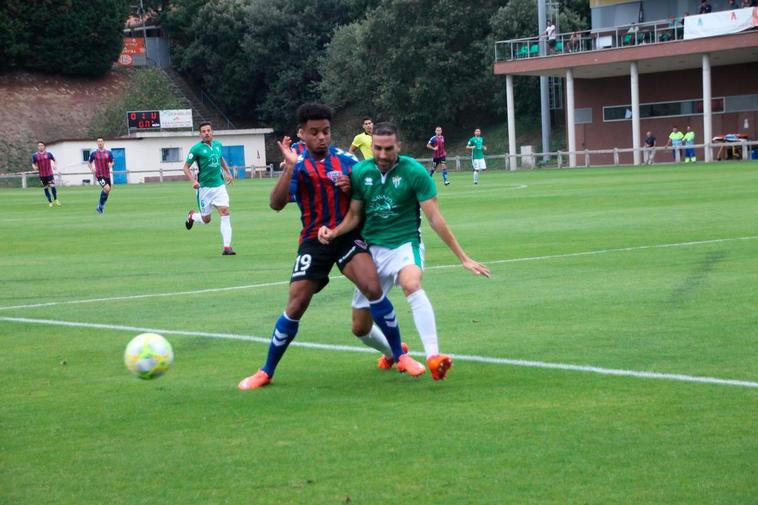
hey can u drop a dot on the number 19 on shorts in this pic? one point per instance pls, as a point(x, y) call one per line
point(302, 264)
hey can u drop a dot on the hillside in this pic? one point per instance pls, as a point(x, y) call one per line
point(46, 107)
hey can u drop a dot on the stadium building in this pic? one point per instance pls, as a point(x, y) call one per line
point(645, 66)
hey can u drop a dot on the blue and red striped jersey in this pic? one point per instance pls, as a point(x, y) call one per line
point(321, 202)
point(43, 160)
point(101, 160)
point(298, 147)
point(438, 141)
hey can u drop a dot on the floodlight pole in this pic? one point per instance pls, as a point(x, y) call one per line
point(144, 30)
point(544, 99)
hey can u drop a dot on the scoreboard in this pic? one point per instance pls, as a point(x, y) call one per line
point(144, 120)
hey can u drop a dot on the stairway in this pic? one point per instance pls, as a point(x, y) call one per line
point(202, 107)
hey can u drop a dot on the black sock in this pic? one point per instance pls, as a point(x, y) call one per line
point(55, 193)
point(103, 198)
point(47, 194)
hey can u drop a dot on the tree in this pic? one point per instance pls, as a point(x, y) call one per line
point(437, 72)
point(74, 37)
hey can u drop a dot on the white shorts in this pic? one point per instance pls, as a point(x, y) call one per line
point(479, 164)
point(389, 262)
point(207, 198)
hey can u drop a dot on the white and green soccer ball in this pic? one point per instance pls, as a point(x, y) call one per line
point(148, 356)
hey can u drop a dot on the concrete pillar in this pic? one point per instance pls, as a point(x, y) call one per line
point(707, 109)
point(570, 117)
point(511, 122)
point(635, 82)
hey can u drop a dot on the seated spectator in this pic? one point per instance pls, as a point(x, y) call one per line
point(575, 43)
point(731, 5)
point(705, 7)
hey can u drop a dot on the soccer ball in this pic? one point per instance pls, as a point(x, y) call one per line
point(148, 356)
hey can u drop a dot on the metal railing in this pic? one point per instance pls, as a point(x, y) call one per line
point(208, 101)
point(634, 34)
point(158, 175)
point(737, 151)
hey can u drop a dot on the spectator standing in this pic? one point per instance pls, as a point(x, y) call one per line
point(649, 149)
point(731, 5)
point(689, 141)
point(550, 34)
point(575, 43)
point(705, 7)
point(44, 163)
point(675, 141)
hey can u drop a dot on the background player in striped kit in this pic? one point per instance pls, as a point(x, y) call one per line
point(101, 164)
point(439, 158)
point(44, 163)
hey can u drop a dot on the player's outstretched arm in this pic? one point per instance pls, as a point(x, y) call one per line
point(280, 194)
point(228, 177)
point(432, 212)
point(350, 222)
point(188, 173)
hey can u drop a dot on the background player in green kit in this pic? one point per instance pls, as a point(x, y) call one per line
point(212, 172)
point(391, 191)
point(476, 144)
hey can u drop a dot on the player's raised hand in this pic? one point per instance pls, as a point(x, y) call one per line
point(325, 235)
point(476, 267)
point(290, 157)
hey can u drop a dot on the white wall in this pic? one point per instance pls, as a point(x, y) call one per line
point(143, 153)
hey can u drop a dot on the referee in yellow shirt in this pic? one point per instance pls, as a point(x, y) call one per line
point(362, 141)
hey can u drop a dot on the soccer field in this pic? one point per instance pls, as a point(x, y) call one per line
point(612, 357)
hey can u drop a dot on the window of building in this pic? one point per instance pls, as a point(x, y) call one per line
point(85, 154)
point(583, 115)
point(661, 109)
point(171, 154)
point(741, 103)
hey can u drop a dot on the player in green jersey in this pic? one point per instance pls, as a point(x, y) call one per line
point(390, 191)
point(477, 146)
point(212, 173)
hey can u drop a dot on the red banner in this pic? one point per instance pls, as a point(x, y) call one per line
point(132, 46)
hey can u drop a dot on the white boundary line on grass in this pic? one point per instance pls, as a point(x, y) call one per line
point(438, 267)
point(349, 348)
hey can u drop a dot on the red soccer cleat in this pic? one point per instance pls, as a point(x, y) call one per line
point(386, 363)
point(439, 364)
point(256, 381)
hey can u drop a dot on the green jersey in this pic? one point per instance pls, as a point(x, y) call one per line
point(208, 158)
point(689, 137)
point(391, 200)
point(478, 151)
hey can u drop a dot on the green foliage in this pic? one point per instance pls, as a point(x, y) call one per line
point(148, 89)
point(74, 37)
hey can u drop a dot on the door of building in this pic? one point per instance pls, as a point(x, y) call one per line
point(119, 165)
point(235, 160)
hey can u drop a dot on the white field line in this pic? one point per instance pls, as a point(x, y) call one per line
point(336, 277)
point(348, 348)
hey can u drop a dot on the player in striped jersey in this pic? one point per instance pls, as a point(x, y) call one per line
point(101, 164)
point(44, 163)
point(439, 158)
point(321, 175)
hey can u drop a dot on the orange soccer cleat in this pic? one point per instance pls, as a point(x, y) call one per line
point(256, 381)
point(386, 363)
point(439, 364)
point(406, 364)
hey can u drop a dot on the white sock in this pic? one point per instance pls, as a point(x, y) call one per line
point(226, 230)
point(423, 316)
point(376, 340)
point(476, 175)
point(196, 217)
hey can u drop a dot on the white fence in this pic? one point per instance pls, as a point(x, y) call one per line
point(736, 151)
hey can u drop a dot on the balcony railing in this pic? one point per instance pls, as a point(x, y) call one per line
point(635, 34)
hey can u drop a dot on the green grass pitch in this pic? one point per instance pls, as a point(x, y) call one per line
point(631, 269)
